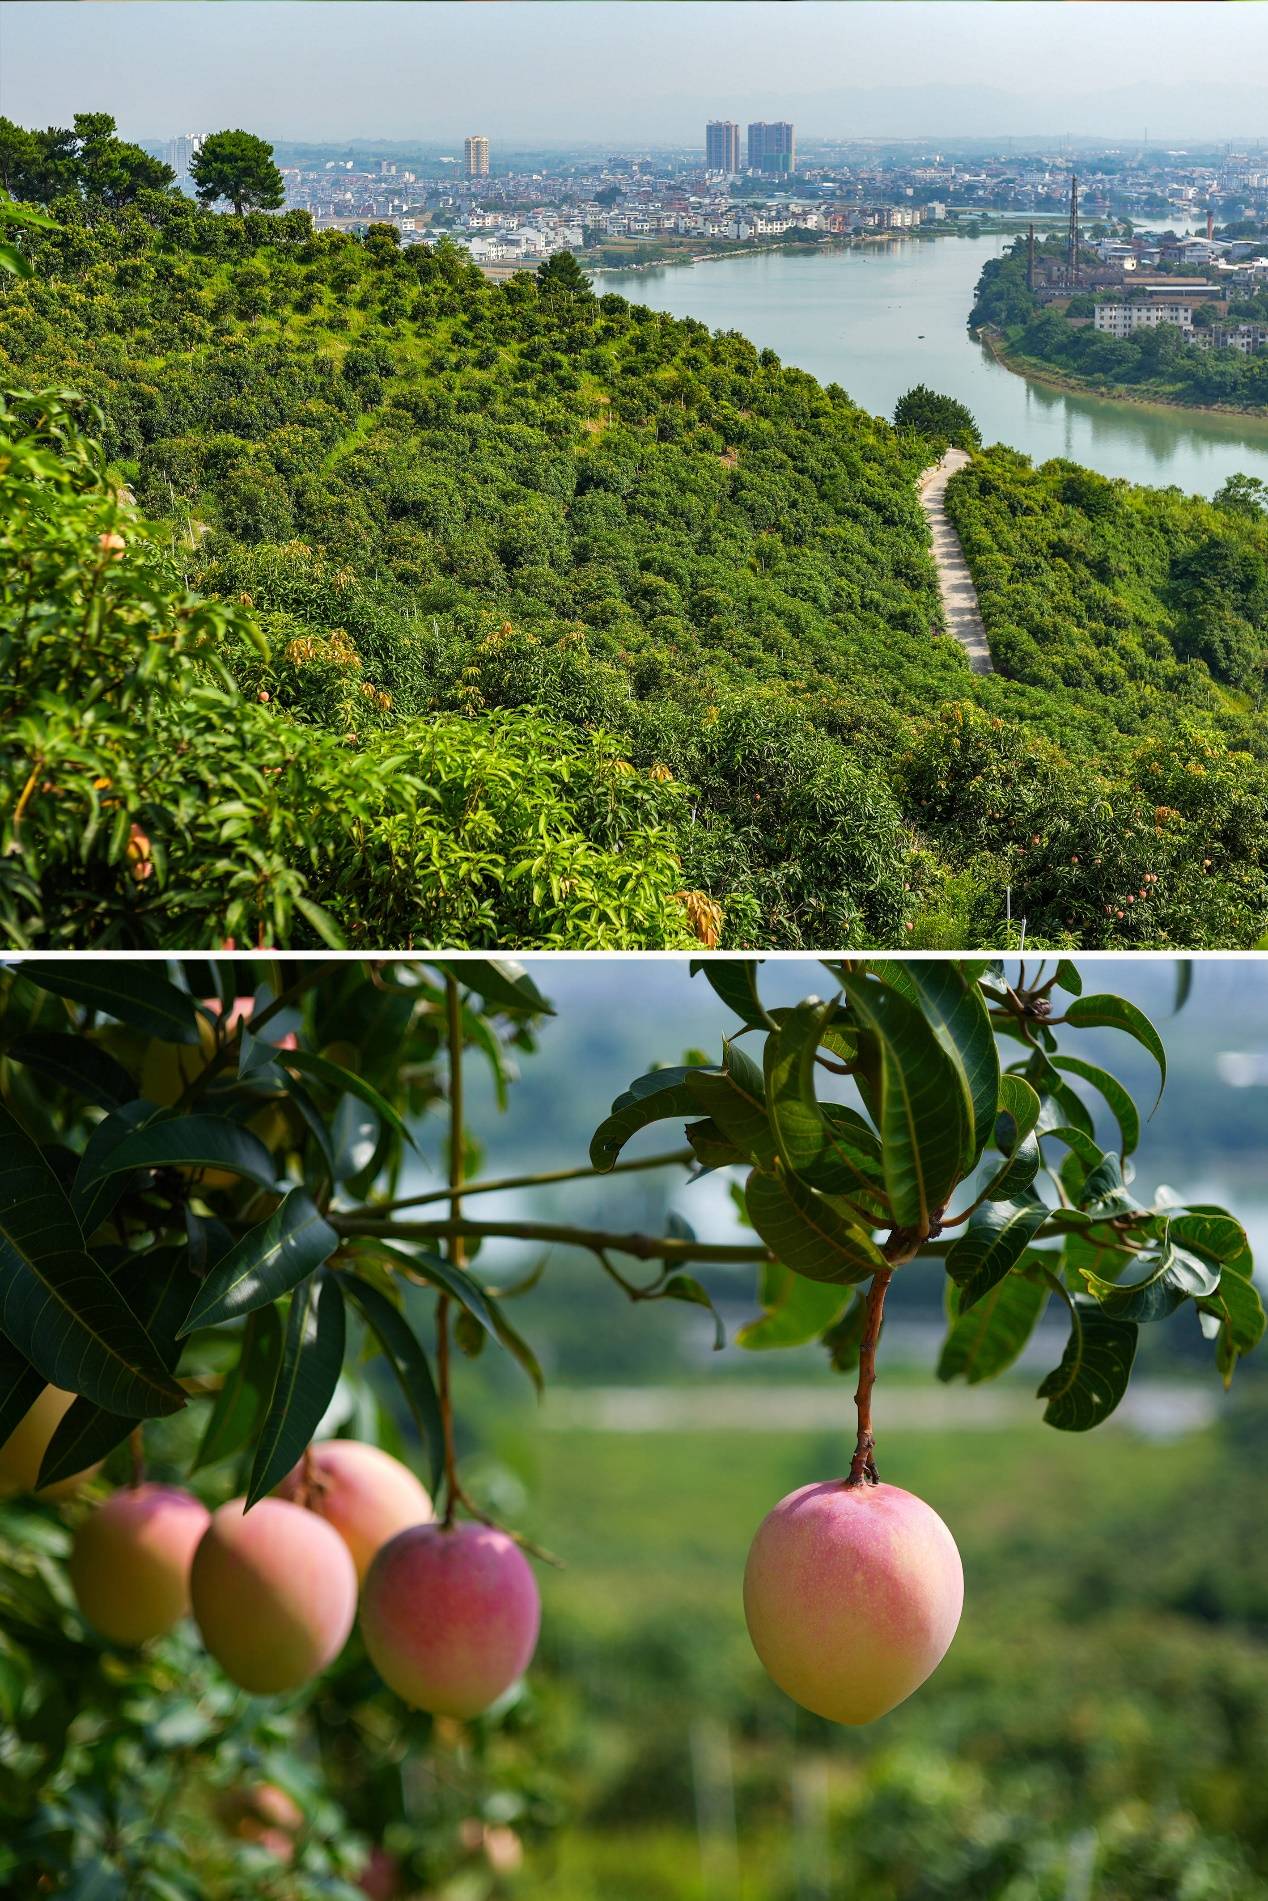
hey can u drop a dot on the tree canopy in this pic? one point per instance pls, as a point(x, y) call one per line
point(239, 167)
point(924, 412)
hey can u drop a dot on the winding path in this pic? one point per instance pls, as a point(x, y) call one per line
point(960, 610)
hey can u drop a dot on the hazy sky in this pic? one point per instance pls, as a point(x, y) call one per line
point(622, 73)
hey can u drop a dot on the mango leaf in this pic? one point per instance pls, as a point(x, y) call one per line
point(1094, 1370)
point(710, 1147)
point(789, 1064)
point(1115, 1013)
point(1104, 1192)
point(136, 993)
point(20, 1387)
point(986, 1340)
point(75, 1063)
point(661, 1096)
point(157, 1284)
point(185, 1141)
point(845, 1337)
point(1019, 1111)
point(734, 980)
point(734, 1097)
point(96, 1191)
point(346, 1082)
point(1061, 1106)
point(300, 1100)
point(1121, 1106)
point(1171, 1276)
point(239, 1405)
point(57, 1307)
point(797, 1310)
point(502, 983)
point(1068, 977)
point(1080, 1145)
point(923, 1113)
point(808, 1233)
point(1210, 1232)
point(998, 1235)
point(312, 1360)
point(446, 1276)
point(408, 1362)
point(1238, 1316)
point(957, 1011)
point(687, 1287)
point(851, 1169)
point(270, 1259)
point(516, 1345)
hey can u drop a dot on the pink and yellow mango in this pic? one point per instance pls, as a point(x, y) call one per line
point(274, 1594)
point(130, 1562)
point(450, 1616)
point(23, 1451)
point(852, 1595)
point(366, 1494)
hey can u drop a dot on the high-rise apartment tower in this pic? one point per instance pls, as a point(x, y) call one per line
point(722, 146)
point(178, 154)
point(476, 155)
point(772, 148)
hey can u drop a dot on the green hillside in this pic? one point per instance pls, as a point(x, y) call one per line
point(687, 586)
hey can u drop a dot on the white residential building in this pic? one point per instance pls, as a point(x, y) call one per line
point(1123, 320)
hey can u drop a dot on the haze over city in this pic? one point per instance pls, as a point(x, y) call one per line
point(558, 73)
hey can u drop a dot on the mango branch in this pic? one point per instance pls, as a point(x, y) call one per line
point(680, 1158)
point(640, 1247)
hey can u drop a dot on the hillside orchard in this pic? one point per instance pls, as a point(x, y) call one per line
point(350, 598)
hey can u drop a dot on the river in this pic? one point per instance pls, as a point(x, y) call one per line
point(880, 316)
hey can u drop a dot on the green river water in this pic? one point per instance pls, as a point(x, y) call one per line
point(880, 316)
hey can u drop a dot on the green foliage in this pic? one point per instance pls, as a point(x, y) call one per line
point(943, 420)
point(484, 526)
point(1145, 825)
point(239, 167)
point(1153, 363)
point(89, 161)
point(13, 216)
point(925, 1046)
point(152, 798)
point(228, 1143)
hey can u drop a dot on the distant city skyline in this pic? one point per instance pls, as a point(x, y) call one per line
point(541, 72)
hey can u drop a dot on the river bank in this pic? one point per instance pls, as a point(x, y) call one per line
point(844, 241)
point(878, 317)
point(1037, 372)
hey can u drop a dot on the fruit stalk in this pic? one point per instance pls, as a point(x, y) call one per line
point(863, 1464)
point(903, 1245)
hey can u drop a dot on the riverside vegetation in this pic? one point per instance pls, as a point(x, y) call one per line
point(209, 1251)
point(1157, 364)
point(353, 598)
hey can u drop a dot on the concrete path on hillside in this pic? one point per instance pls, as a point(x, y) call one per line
point(960, 610)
